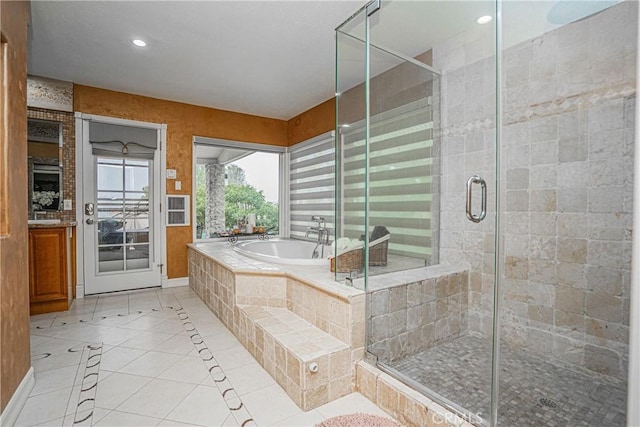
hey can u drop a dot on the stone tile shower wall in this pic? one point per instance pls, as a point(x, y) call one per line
point(411, 318)
point(567, 141)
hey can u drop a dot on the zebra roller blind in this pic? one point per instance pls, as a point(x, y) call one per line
point(401, 186)
point(311, 183)
point(402, 194)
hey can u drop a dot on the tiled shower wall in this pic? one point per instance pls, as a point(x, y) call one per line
point(413, 317)
point(567, 147)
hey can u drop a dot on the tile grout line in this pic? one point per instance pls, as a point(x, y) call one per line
point(231, 398)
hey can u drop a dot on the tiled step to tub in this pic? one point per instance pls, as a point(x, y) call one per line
point(312, 366)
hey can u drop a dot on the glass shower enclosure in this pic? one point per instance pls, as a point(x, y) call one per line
point(484, 156)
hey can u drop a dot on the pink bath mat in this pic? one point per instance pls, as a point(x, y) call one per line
point(358, 420)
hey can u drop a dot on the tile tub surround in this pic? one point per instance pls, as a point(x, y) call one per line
point(412, 317)
point(267, 307)
point(312, 366)
point(567, 145)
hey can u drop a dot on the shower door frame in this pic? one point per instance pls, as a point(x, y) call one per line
point(370, 9)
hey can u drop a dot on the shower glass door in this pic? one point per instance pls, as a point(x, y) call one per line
point(416, 119)
point(568, 108)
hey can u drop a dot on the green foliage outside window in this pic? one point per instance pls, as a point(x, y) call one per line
point(240, 200)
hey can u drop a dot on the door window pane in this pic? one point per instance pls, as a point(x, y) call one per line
point(110, 258)
point(123, 214)
point(109, 177)
point(136, 178)
point(137, 256)
point(138, 237)
point(110, 232)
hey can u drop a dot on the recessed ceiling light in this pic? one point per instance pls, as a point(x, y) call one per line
point(139, 43)
point(485, 19)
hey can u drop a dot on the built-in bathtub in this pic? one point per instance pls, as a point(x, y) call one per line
point(282, 251)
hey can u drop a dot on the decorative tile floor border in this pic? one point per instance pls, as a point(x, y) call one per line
point(88, 371)
point(89, 386)
point(81, 403)
point(232, 399)
point(92, 319)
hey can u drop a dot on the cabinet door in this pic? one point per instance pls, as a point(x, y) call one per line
point(48, 264)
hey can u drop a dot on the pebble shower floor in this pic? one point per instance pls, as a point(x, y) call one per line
point(533, 391)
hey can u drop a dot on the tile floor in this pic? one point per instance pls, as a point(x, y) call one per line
point(155, 358)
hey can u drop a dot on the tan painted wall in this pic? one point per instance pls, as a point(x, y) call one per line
point(183, 122)
point(14, 282)
point(313, 122)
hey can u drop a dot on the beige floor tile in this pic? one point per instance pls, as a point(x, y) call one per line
point(233, 357)
point(124, 419)
point(188, 370)
point(178, 344)
point(203, 406)
point(119, 357)
point(146, 340)
point(117, 388)
point(350, 404)
point(99, 413)
point(144, 323)
point(44, 407)
point(58, 422)
point(150, 364)
point(54, 379)
point(157, 399)
point(249, 378)
point(169, 326)
point(270, 405)
point(170, 423)
point(303, 419)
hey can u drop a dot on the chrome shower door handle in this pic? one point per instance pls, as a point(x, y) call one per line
point(476, 179)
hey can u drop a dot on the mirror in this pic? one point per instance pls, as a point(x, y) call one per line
point(45, 166)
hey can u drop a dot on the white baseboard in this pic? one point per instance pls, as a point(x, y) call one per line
point(79, 291)
point(174, 283)
point(11, 412)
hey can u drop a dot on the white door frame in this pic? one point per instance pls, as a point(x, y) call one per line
point(80, 173)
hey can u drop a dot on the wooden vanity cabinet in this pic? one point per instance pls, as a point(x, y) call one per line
point(50, 275)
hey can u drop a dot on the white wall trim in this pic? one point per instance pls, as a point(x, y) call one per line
point(162, 129)
point(11, 412)
point(163, 197)
point(175, 283)
point(284, 201)
point(194, 189)
point(79, 204)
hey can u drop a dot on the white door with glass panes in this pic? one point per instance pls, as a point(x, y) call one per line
point(121, 214)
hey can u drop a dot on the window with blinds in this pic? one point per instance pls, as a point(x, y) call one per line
point(401, 187)
point(402, 194)
point(311, 184)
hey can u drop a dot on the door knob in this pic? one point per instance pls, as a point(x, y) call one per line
point(89, 221)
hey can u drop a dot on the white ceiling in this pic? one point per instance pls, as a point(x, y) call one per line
point(268, 58)
point(221, 154)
